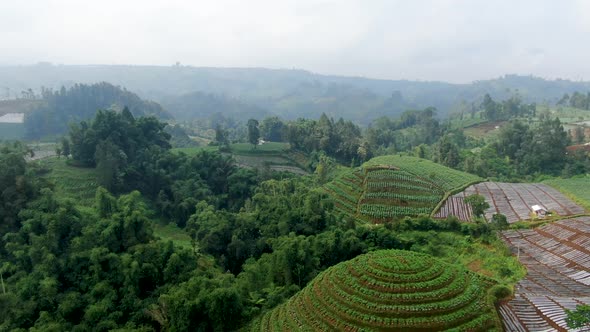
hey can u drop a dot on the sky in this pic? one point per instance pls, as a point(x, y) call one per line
point(446, 40)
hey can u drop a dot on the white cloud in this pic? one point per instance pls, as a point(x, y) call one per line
point(454, 40)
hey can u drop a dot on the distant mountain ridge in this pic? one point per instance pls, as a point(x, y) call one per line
point(288, 93)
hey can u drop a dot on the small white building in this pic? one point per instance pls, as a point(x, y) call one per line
point(540, 211)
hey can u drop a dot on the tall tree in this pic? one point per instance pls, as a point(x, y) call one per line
point(253, 132)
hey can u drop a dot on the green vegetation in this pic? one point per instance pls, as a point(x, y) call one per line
point(387, 290)
point(75, 183)
point(266, 148)
point(446, 178)
point(81, 102)
point(576, 188)
point(144, 237)
point(195, 150)
point(578, 318)
point(390, 187)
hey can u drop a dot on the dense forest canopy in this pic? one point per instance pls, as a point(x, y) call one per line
point(255, 236)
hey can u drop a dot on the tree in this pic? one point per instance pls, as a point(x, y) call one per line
point(221, 136)
point(478, 204)
point(65, 147)
point(253, 132)
point(499, 221)
point(109, 162)
point(490, 108)
point(272, 129)
point(578, 318)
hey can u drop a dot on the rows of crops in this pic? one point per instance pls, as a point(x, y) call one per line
point(455, 206)
point(390, 187)
point(346, 191)
point(385, 212)
point(557, 258)
point(446, 178)
point(578, 188)
point(387, 290)
point(391, 193)
point(72, 182)
point(515, 200)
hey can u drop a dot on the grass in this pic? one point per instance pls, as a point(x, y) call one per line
point(171, 232)
point(576, 188)
point(485, 129)
point(79, 184)
point(565, 114)
point(466, 122)
point(194, 150)
point(76, 183)
point(266, 148)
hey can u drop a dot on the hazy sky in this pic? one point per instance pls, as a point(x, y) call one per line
point(457, 41)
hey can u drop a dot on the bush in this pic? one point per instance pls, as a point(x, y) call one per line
point(500, 292)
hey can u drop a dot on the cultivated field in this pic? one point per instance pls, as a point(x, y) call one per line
point(274, 155)
point(76, 183)
point(514, 200)
point(455, 206)
point(557, 257)
point(387, 290)
point(577, 188)
point(390, 187)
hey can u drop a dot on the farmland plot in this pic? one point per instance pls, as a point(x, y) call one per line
point(557, 257)
point(455, 206)
point(387, 290)
point(514, 200)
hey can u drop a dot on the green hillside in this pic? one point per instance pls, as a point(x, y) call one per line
point(577, 188)
point(389, 187)
point(387, 290)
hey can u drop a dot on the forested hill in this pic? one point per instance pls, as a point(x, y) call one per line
point(288, 93)
point(56, 109)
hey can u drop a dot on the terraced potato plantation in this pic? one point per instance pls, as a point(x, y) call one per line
point(392, 193)
point(346, 190)
point(558, 262)
point(576, 188)
point(514, 200)
point(387, 290)
point(390, 187)
point(447, 179)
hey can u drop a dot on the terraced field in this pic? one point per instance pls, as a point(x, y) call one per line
point(387, 290)
point(514, 200)
point(346, 190)
point(390, 187)
point(447, 179)
point(557, 257)
point(76, 183)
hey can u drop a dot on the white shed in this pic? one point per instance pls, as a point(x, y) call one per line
point(540, 211)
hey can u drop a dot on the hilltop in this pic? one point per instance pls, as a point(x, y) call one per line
point(287, 93)
point(388, 290)
point(389, 187)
